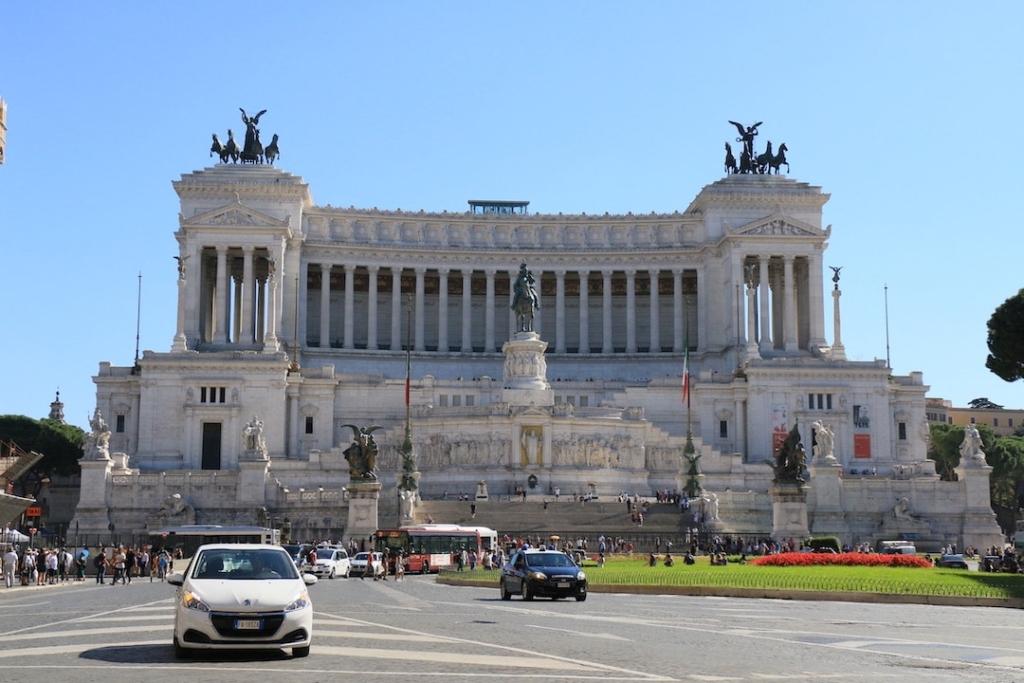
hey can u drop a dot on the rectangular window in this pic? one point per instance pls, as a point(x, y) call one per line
point(828, 401)
point(309, 424)
point(442, 400)
point(972, 420)
point(723, 429)
point(821, 402)
point(456, 401)
point(571, 400)
point(470, 401)
point(202, 394)
point(223, 392)
point(585, 401)
point(558, 400)
point(902, 427)
point(995, 421)
point(1009, 421)
point(810, 401)
point(120, 424)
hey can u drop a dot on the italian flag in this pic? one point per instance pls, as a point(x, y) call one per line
point(686, 377)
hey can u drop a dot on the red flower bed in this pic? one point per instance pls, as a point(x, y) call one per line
point(845, 559)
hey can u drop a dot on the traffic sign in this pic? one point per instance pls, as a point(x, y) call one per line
point(34, 511)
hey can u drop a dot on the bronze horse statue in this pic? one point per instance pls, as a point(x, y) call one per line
point(763, 160)
point(524, 300)
point(216, 147)
point(780, 159)
point(272, 152)
point(230, 149)
point(730, 160)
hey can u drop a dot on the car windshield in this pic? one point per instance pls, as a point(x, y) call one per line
point(252, 564)
point(324, 554)
point(548, 560)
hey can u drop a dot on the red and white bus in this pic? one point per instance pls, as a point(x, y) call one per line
point(432, 547)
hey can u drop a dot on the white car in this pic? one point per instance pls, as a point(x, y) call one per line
point(242, 597)
point(359, 564)
point(330, 562)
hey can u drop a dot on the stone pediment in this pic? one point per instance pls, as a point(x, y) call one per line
point(234, 214)
point(780, 225)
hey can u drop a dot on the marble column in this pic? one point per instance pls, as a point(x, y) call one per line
point(236, 310)
point(702, 311)
point(270, 343)
point(396, 309)
point(764, 323)
point(261, 308)
point(489, 312)
point(418, 313)
point(302, 341)
point(221, 299)
point(350, 298)
point(371, 308)
point(559, 311)
point(442, 309)
point(677, 310)
point(325, 305)
point(292, 392)
point(817, 302)
point(788, 305)
point(248, 296)
point(180, 343)
point(752, 349)
point(655, 343)
point(630, 311)
point(467, 311)
point(838, 352)
point(584, 346)
point(606, 309)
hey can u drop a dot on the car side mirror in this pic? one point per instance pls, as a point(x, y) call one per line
point(309, 579)
point(176, 579)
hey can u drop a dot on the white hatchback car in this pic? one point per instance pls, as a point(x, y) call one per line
point(242, 597)
point(359, 564)
point(330, 562)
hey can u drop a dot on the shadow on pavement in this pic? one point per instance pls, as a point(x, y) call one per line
point(164, 654)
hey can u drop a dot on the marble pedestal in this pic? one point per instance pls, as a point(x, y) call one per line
point(789, 511)
point(92, 516)
point(481, 490)
point(827, 491)
point(362, 511)
point(525, 372)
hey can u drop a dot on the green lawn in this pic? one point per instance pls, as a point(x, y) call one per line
point(950, 582)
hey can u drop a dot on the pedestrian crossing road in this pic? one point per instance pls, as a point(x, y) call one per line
point(423, 630)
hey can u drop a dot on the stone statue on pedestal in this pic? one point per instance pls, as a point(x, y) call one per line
point(970, 447)
point(362, 454)
point(255, 444)
point(824, 449)
point(791, 459)
point(525, 300)
point(97, 441)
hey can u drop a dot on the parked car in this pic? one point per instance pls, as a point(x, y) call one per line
point(955, 561)
point(358, 564)
point(330, 562)
point(549, 573)
point(242, 597)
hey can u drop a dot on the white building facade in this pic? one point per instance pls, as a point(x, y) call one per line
point(301, 314)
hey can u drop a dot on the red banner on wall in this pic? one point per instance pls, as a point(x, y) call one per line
point(862, 445)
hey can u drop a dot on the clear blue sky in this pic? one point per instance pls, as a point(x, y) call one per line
point(905, 112)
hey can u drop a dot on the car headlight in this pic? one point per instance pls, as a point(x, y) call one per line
point(193, 601)
point(538, 576)
point(582, 576)
point(301, 602)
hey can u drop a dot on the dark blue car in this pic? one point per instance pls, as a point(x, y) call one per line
point(542, 572)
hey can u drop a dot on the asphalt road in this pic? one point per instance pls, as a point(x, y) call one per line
point(419, 630)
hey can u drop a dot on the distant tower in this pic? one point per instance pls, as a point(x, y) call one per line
point(3, 129)
point(57, 409)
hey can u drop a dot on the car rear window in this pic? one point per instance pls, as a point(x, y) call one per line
point(548, 560)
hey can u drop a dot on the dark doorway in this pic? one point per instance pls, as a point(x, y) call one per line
point(211, 445)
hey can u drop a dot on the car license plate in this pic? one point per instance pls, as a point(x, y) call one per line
point(563, 584)
point(247, 624)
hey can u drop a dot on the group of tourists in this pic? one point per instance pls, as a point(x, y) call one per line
point(38, 566)
point(123, 563)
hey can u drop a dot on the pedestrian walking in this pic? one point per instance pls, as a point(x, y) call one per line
point(101, 566)
point(10, 566)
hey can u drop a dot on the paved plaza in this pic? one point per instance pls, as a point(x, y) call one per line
point(420, 630)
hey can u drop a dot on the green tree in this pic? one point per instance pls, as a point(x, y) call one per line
point(944, 449)
point(60, 444)
point(1006, 339)
point(1006, 456)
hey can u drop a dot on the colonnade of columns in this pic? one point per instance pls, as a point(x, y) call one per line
point(782, 307)
point(626, 318)
point(236, 305)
